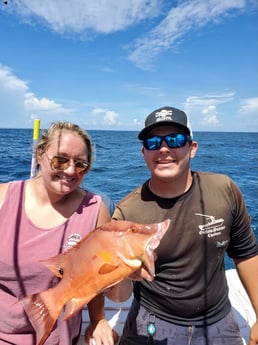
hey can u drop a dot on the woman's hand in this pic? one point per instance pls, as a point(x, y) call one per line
point(100, 333)
point(253, 340)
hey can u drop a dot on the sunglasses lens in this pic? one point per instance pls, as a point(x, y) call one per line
point(81, 167)
point(152, 143)
point(62, 163)
point(175, 140)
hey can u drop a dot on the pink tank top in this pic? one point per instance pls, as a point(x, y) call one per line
point(22, 246)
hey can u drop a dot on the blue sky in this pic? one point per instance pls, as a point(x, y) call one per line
point(106, 64)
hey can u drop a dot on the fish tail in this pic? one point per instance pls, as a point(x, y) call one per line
point(40, 315)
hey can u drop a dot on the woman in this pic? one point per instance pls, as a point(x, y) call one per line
point(41, 218)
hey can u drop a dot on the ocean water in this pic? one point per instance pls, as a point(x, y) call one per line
point(119, 167)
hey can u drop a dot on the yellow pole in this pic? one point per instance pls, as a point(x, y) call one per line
point(36, 129)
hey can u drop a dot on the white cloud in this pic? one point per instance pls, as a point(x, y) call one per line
point(34, 104)
point(107, 70)
point(76, 16)
point(203, 109)
point(247, 114)
point(210, 99)
point(210, 115)
point(10, 81)
point(146, 90)
point(109, 117)
point(191, 14)
point(87, 18)
point(12, 91)
point(20, 104)
point(137, 123)
point(205, 112)
point(249, 106)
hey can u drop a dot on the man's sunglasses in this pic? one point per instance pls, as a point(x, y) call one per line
point(62, 163)
point(174, 141)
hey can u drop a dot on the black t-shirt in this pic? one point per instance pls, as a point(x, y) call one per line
point(207, 221)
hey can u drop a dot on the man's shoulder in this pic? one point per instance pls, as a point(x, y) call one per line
point(132, 205)
point(133, 196)
point(211, 177)
point(210, 182)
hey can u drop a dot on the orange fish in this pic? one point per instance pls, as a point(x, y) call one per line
point(104, 257)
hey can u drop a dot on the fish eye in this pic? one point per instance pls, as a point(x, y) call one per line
point(61, 271)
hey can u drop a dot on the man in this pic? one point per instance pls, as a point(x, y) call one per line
point(187, 302)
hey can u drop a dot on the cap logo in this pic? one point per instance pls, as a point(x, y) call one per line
point(163, 115)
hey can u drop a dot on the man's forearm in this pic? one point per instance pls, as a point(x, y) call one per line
point(248, 273)
point(120, 292)
point(96, 308)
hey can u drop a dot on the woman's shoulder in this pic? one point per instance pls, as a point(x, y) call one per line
point(3, 189)
point(5, 186)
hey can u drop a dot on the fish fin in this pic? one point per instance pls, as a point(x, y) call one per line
point(110, 262)
point(55, 264)
point(148, 262)
point(107, 268)
point(74, 305)
point(41, 317)
point(136, 263)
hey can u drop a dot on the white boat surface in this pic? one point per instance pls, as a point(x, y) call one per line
point(116, 313)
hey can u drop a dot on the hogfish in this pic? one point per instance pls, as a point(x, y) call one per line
point(103, 258)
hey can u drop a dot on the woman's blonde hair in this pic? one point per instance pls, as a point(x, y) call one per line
point(49, 134)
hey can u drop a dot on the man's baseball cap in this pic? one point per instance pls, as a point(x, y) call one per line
point(166, 116)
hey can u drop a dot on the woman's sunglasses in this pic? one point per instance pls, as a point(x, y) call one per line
point(62, 163)
point(174, 141)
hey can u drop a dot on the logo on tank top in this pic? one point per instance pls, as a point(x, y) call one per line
point(211, 226)
point(72, 240)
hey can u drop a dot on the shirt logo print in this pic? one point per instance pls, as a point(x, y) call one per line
point(72, 240)
point(221, 244)
point(211, 226)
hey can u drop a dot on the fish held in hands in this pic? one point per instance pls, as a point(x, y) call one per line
point(103, 258)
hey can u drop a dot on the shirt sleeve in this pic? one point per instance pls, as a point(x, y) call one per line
point(243, 243)
point(118, 214)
